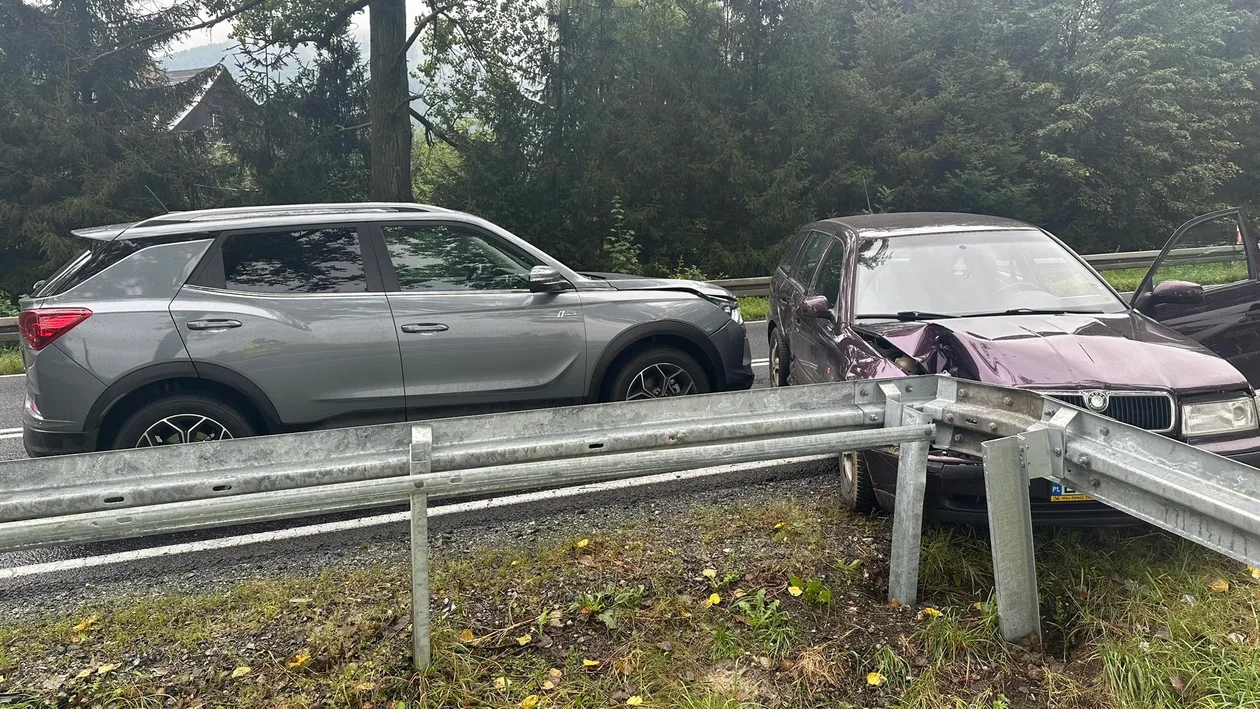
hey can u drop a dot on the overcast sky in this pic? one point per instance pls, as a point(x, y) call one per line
point(219, 33)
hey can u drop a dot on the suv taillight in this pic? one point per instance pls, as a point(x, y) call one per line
point(40, 327)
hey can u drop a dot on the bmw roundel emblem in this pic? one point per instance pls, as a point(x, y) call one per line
point(1097, 401)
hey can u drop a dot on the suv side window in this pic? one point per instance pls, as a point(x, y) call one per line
point(441, 257)
point(831, 275)
point(323, 260)
point(811, 254)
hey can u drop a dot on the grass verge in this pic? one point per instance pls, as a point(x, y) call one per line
point(775, 604)
point(10, 360)
point(754, 307)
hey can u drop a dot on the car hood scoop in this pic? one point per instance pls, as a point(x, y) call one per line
point(1122, 350)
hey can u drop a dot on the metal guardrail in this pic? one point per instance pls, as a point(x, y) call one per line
point(760, 286)
point(1019, 434)
point(8, 329)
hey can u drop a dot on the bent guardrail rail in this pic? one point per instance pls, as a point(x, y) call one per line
point(1019, 434)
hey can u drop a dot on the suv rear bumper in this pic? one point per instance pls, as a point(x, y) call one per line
point(39, 444)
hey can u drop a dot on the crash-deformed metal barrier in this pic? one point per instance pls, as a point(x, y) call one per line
point(1019, 434)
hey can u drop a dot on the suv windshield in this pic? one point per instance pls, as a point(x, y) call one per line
point(975, 273)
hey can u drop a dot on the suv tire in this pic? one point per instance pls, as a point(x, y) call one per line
point(780, 359)
point(199, 416)
point(658, 373)
point(856, 488)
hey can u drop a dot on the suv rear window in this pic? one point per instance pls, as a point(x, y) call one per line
point(98, 257)
point(327, 260)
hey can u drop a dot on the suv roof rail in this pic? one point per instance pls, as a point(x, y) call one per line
point(201, 215)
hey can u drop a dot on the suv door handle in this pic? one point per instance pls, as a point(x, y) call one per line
point(212, 324)
point(423, 327)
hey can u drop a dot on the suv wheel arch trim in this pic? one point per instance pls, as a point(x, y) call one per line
point(712, 362)
point(186, 369)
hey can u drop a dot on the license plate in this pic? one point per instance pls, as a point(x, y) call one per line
point(1062, 493)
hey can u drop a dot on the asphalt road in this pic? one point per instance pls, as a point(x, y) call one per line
point(13, 394)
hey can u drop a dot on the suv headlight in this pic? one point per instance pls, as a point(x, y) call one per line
point(1218, 417)
point(730, 306)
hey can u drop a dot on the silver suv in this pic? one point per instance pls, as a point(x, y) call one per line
point(215, 324)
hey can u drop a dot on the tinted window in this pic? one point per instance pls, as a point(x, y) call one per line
point(788, 264)
point(310, 261)
point(831, 274)
point(811, 254)
point(436, 257)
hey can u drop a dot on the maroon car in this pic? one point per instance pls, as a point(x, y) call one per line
point(1000, 301)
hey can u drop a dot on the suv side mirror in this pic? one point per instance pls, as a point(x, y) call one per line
point(1179, 292)
point(817, 307)
point(545, 279)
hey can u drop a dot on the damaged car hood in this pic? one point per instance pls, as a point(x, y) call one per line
point(1122, 350)
point(621, 281)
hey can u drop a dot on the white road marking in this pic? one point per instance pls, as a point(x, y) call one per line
point(10, 430)
point(311, 530)
point(6, 376)
point(761, 362)
point(7, 433)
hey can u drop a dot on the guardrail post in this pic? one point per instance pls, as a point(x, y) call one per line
point(907, 540)
point(1011, 538)
point(421, 463)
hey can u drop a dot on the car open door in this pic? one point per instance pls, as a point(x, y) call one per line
point(1217, 251)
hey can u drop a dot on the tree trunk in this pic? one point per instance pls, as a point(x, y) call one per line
point(387, 103)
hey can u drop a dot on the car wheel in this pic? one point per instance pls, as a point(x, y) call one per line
point(856, 487)
point(780, 361)
point(184, 418)
point(658, 373)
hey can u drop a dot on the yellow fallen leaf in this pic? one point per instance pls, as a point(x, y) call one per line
point(794, 591)
point(583, 543)
point(524, 639)
point(106, 669)
point(1219, 585)
point(709, 573)
point(684, 613)
point(299, 660)
point(590, 663)
point(1255, 573)
point(978, 606)
point(515, 562)
point(875, 679)
point(529, 702)
point(780, 525)
point(635, 701)
point(712, 600)
point(466, 636)
point(548, 685)
point(929, 613)
point(88, 623)
point(895, 603)
point(240, 672)
point(502, 683)
point(83, 673)
point(554, 674)
point(739, 593)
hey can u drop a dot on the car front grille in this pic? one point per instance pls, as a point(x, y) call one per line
point(1151, 410)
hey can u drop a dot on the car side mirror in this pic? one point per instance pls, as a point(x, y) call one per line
point(1178, 292)
point(545, 279)
point(817, 307)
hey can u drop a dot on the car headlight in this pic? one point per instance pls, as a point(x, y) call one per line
point(1218, 417)
point(730, 307)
